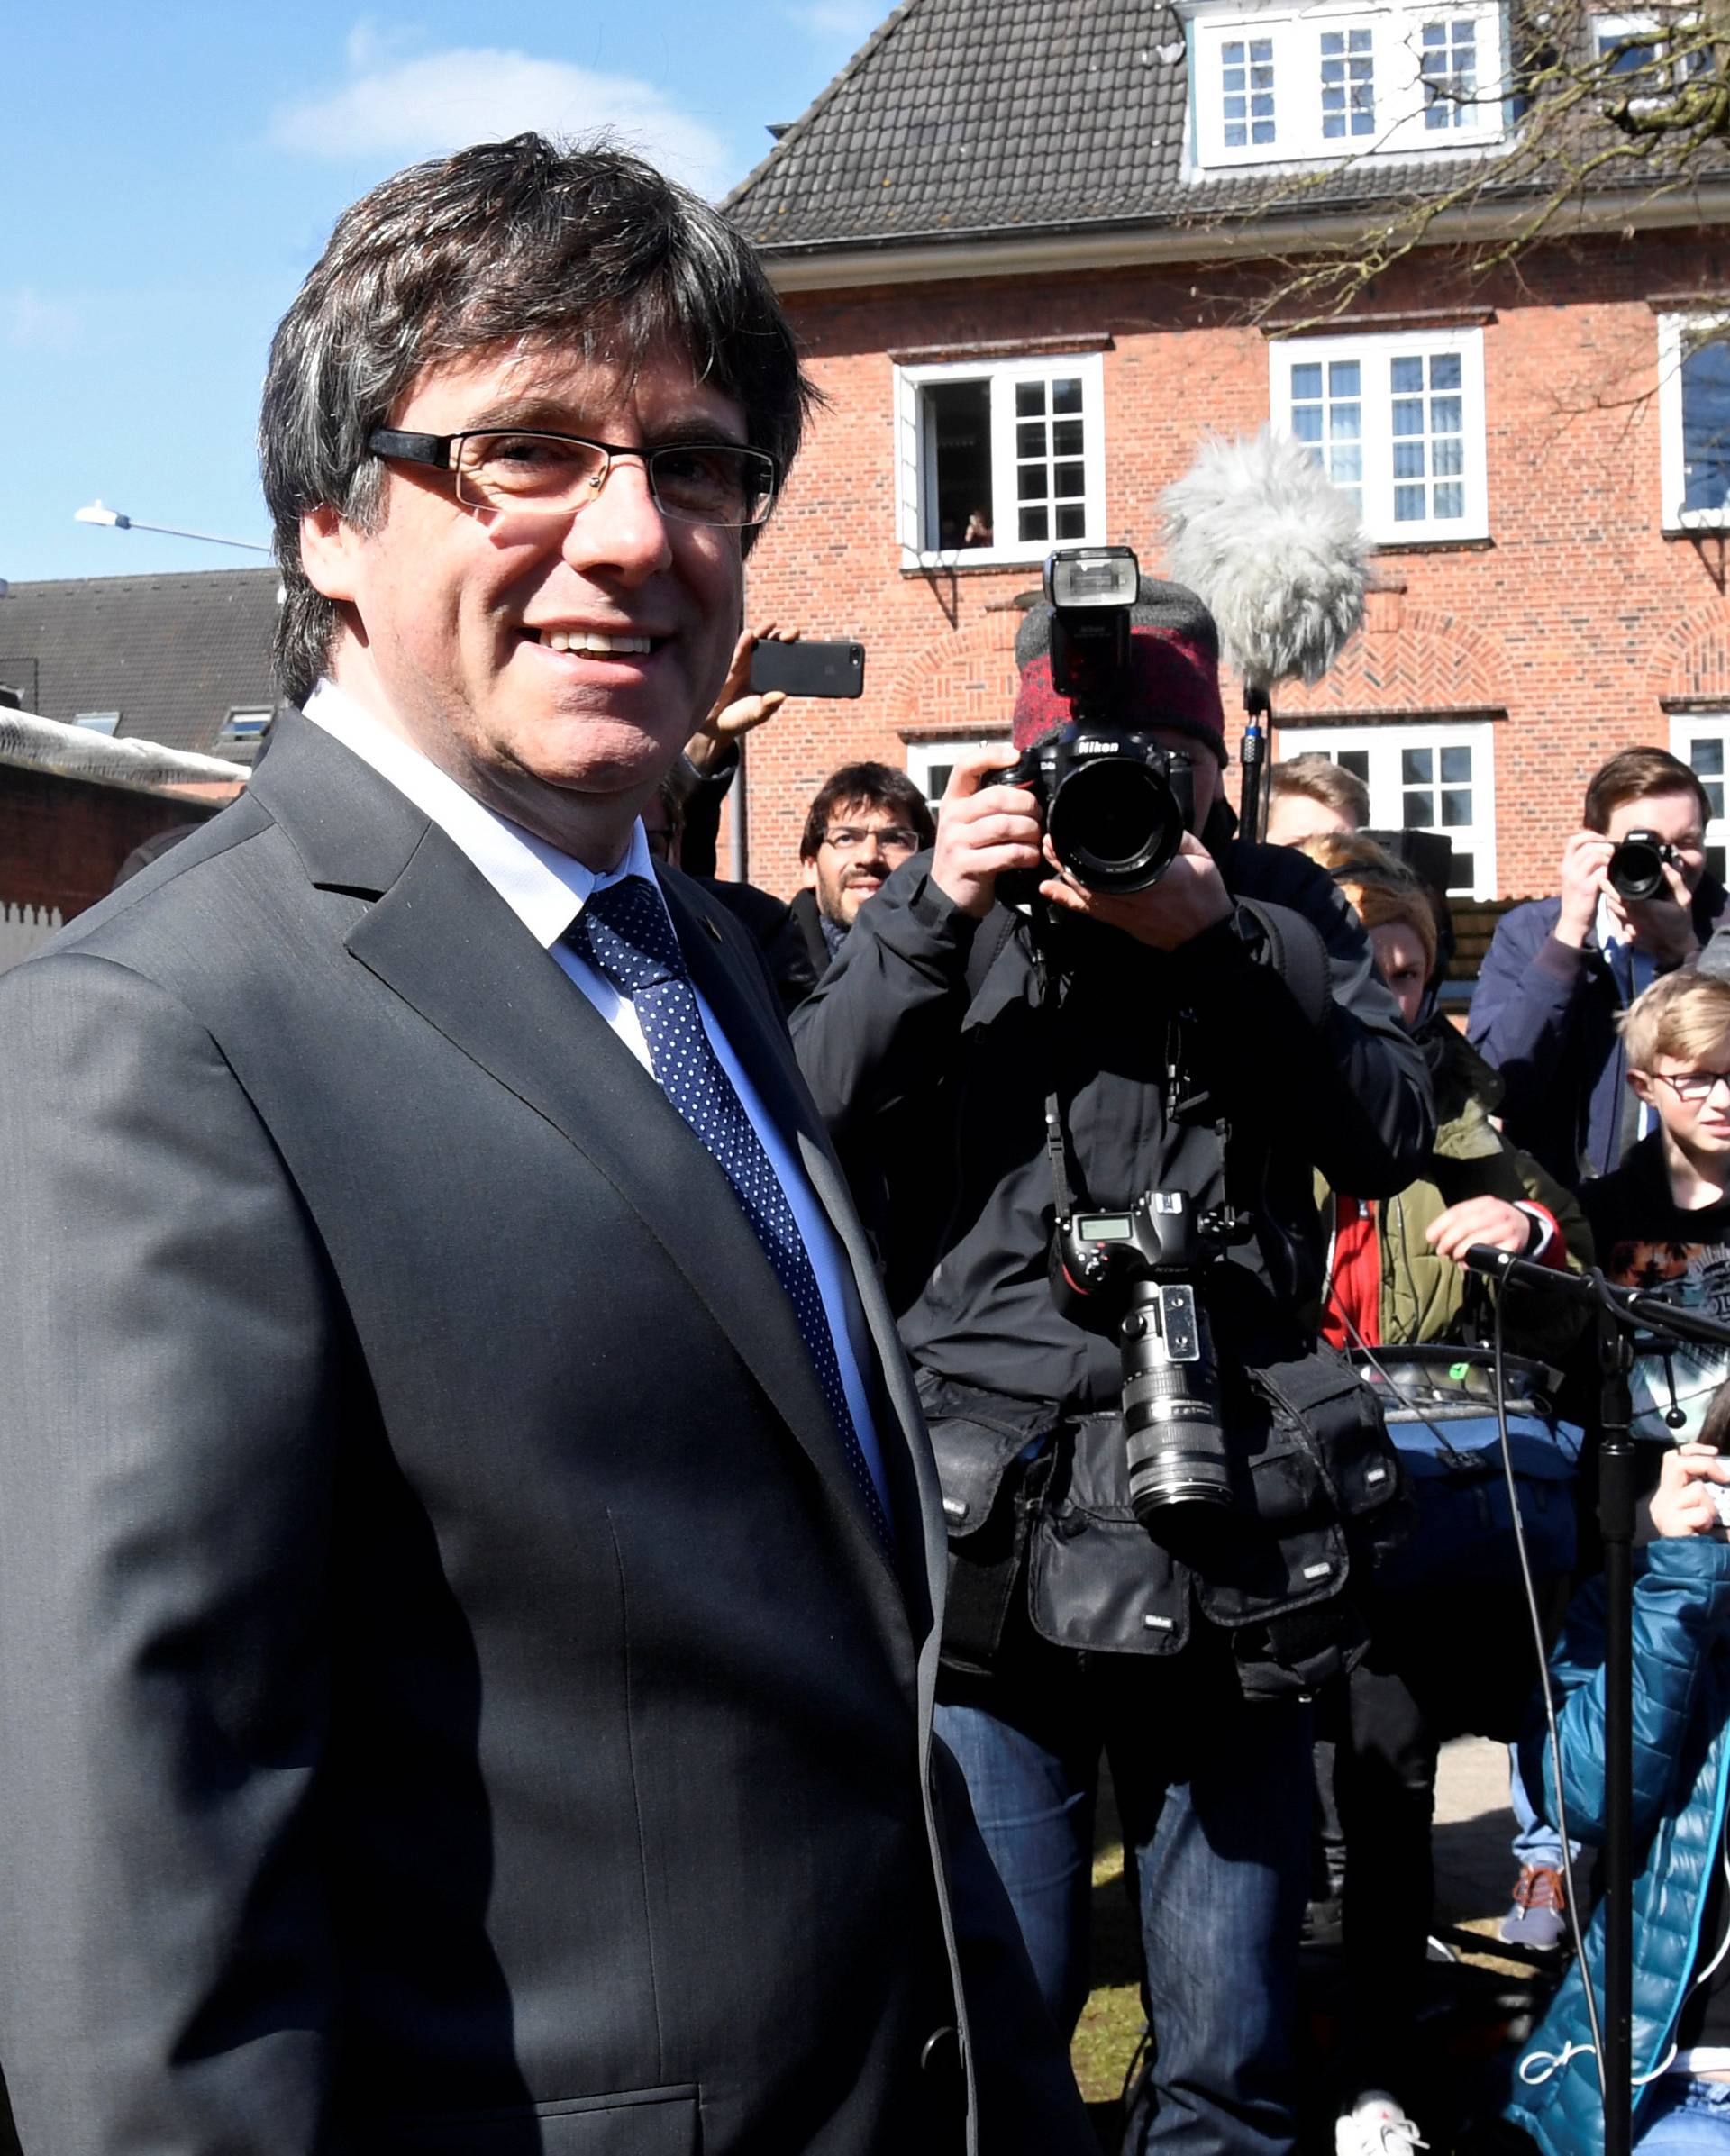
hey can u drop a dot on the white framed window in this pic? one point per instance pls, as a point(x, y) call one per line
point(1397, 422)
point(1347, 84)
point(1694, 419)
point(1701, 739)
point(1247, 117)
point(97, 721)
point(1431, 775)
point(1000, 462)
point(1638, 53)
point(1341, 76)
point(1447, 67)
point(1626, 44)
point(930, 762)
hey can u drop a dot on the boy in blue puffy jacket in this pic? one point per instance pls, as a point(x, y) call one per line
point(1681, 1777)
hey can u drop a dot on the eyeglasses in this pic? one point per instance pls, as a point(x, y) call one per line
point(893, 838)
point(556, 474)
point(1693, 1085)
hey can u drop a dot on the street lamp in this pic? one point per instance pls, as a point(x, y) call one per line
point(96, 514)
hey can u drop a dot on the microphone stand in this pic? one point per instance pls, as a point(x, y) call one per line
point(1619, 1312)
point(1252, 758)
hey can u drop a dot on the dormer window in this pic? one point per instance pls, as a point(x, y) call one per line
point(1347, 84)
point(1341, 78)
point(1448, 67)
point(1246, 91)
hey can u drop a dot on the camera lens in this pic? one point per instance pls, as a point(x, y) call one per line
point(1175, 1447)
point(1637, 868)
point(1177, 1451)
point(1115, 823)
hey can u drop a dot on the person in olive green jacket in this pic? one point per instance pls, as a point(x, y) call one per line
point(1393, 1274)
point(1440, 1663)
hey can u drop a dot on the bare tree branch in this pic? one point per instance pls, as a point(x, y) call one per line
point(1639, 116)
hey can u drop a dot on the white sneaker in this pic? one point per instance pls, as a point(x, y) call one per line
point(1375, 2126)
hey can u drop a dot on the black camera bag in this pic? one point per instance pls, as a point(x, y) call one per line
point(994, 1455)
point(1321, 1492)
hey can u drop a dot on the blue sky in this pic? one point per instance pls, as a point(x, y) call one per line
point(168, 174)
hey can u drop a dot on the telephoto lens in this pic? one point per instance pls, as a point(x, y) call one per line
point(1175, 1447)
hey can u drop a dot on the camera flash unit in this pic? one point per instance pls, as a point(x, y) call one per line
point(1092, 577)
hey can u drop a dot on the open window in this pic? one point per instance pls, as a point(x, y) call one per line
point(1000, 462)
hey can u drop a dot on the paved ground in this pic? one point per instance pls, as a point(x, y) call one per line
point(1474, 1874)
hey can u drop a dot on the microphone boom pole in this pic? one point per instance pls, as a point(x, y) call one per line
point(1278, 553)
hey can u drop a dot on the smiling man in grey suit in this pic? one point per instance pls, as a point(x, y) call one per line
point(467, 1550)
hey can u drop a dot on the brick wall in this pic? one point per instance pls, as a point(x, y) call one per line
point(1575, 620)
point(61, 840)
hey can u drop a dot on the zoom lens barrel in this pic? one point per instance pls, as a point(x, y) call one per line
point(1176, 1446)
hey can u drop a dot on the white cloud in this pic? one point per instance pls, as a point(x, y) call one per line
point(31, 323)
point(851, 20)
point(369, 46)
point(408, 108)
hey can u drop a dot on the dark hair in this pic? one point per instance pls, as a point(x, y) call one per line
point(879, 786)
point(1632, 773)
point(522, 240)
point(1716, 1429)
point(1319, 778)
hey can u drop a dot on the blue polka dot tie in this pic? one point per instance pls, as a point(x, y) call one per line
point(624, 932)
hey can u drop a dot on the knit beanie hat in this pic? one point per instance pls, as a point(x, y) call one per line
point(1173, 678)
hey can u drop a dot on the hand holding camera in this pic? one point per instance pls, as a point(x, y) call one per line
point(1109, 800)
point(1639, 876)
point(984, 829)
point(1189, 897)
point(1645, 890)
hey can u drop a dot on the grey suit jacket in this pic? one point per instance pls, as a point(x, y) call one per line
point(452, 1698)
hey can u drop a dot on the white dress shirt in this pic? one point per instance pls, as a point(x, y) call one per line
point(547, 890)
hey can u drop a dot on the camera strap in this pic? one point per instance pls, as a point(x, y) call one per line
point(1046, 985)
point(1184, 1092)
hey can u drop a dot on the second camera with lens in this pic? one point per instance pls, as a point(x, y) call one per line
point(1637, 866)
point(1139, 1274)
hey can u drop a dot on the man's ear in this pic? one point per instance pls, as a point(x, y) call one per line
point(1640, 1085)
point(329, 551)
point(808, 873)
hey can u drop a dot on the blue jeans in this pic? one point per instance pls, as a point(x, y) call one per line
point(1215, 1799)
point(1687, 2118)
point(1535, 1841)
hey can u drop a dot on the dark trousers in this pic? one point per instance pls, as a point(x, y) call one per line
point(1440, 1665)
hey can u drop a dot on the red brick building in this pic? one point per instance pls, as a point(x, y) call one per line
point(1022, 242)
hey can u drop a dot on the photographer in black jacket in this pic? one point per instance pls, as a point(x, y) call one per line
point(1220, 1035)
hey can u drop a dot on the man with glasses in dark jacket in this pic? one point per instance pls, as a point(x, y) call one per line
point(864, 821)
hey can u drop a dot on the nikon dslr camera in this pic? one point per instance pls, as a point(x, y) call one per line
point(1115, 801)
point(1138, 1274)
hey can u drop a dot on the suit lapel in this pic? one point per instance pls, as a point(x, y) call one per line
point(440, 938)
point(754, 1028)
